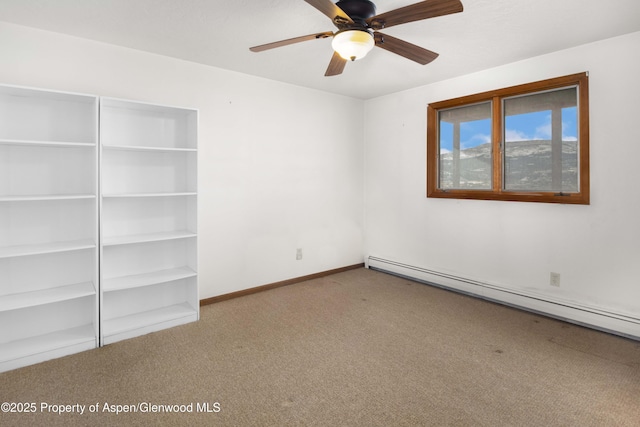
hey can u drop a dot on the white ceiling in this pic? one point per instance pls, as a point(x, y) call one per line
point(219, 33)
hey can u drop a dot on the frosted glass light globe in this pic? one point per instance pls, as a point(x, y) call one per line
point(352, 44)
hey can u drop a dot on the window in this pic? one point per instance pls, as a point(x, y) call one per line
point(523, 143)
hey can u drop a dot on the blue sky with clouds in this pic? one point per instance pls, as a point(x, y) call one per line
point(522, 127)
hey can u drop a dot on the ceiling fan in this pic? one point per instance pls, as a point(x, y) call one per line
point(358, 27)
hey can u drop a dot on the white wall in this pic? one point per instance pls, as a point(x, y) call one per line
point(280, 167)
point(513, 245)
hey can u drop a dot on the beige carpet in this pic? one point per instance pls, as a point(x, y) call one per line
point(359, 348)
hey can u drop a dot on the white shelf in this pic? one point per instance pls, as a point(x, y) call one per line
point(144, 238)
point(46, 296)
point(45, 248)
point(141, 320)
point(147, 148)
point(46, 197)
point(148, 164)
point(147, 279)
point(139, 195)
point(49, 224)
point(47, 342)
point(61, 144)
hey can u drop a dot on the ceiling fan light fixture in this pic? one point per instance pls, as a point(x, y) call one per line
point(353, 44)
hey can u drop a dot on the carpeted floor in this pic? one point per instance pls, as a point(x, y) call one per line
point(359, 348)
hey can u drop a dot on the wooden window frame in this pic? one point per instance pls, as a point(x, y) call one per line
point(580, 80)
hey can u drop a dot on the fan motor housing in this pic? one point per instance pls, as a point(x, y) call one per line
point(358, 10)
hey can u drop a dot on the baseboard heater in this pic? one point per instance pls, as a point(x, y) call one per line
point(616, 323)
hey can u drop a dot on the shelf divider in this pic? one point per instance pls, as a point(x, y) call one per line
point(6, 141)
point(46, 296)
point(147, 148)
point(144, 238)
point(141, 195)
point(25, 198)
point(45, 248)
point(146, 279)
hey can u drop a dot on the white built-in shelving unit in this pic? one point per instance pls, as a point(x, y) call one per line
point(98, 224)
point(148, 251)
point(48, 225)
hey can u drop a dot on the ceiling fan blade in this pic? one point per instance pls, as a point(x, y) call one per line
point(336, 66)
point(330, 9)
point(291, 41)
point(415, 12)
point(403, 48)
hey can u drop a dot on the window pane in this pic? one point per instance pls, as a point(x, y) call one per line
point(465, 147)
point(541, 142)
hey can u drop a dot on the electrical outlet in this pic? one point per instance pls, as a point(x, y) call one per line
point(299, 254)
point(554, 279)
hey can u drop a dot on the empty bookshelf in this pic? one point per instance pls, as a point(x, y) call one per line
point(148, 251)
point(48, 225)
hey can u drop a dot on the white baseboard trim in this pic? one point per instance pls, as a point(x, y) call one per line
point(592, 317)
